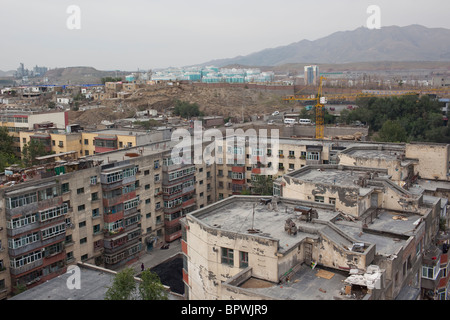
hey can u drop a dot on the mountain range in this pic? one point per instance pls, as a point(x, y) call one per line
point(391, 43)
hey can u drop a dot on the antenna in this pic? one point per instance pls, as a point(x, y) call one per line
point(253, 215)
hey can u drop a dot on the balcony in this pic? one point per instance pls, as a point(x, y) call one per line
point(24, 229)
point(189, 203)
point(27, 267)
point(109, 202)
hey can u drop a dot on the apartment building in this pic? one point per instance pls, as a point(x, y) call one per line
point(92, 142)
point(104, 209)
point(253, 248)
point(17, 121)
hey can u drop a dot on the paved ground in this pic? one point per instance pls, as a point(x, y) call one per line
point(156, 256)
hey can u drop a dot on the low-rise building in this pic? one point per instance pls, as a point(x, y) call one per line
point(248, 247)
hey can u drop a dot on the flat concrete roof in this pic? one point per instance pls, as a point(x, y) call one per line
point(236, 215)
point(144, 150)
point(305, 284)
point(94, 284)
point(374, 154)
point(121, 132)
point(332, 175)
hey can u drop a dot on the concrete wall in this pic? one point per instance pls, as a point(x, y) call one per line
point(205, 269)
point(433, 160)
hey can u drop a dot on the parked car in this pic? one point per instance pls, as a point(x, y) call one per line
point(332, 109)
point(228, 124)
point(270, 122)
point(350, 107)
point(275, 113)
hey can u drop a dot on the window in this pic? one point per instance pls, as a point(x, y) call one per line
point(147, 186)
point(429, 272)
point(291, 153)
point(54, 212)
point(65, 187)
point(133, 203)
point(332, 201)
point(156, 164)
point(83, 240)
point(86, 142)
point(313, 155)
point(21, 201)
point(156, 177)
point(319, 199)
point(227, 256)
point(291, 166)
point(82, 224)
point(146, 172)
point(96, 229)
point(15, 243)
point(81, 207)
point(53, 231)
point(95, 213)
point(80, 190)
point(86, 152)
point(243, 259)
point(94, 196)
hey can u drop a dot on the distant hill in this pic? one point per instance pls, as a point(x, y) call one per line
point(9, 73)
point(411, 43)
point(78, 75)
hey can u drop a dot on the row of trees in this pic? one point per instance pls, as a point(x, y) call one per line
point(124, 287)
point(401, 119)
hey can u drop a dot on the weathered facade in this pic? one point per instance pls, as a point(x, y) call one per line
point(241, 248)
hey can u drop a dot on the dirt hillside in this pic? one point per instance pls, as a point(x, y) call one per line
point(227, 102)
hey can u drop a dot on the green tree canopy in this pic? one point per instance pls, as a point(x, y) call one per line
point(187, 110)
point(420, 119)
point(7, 155)
point(124, 287)
point(110, 79)
point(151, 288)
point(392, 131)
point(31, 150)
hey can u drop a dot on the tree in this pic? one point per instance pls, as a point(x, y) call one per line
point(419, 118)
point(123, 287)
point(262, 185)
point(186, 110)
point(110, 79)
point(151, 288)
point(31, 150)
point(392, 131)
point(7, 156)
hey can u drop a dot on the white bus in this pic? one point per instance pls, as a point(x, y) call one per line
point(304, 121)
point(289, 121)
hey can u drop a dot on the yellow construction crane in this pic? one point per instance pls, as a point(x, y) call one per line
point(322, 100)
point(320, 108)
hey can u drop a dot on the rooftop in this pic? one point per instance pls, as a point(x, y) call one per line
point(94, 282)
point(305, 284)
point(341, 176)
point(237, 216)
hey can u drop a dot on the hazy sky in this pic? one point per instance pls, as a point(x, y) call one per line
point(149, 34)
